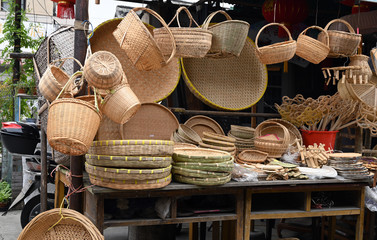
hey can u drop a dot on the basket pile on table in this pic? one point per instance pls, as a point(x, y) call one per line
point(348, 165)
point(218, 142)
point(244, 137)
point(130, 164)
point(204, 167)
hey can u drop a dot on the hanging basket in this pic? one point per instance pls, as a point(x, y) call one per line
point(228, 37)
point(312, 49)
point(277, 52)
point(191, 42)
point(139, 44)
point(341, 43)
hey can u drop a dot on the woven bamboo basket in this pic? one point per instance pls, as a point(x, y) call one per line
point(293, 131)
point(197, 173)
point(273, 149)
point(202, 181)
point(183, 139)
point(152, 121)
point(341, 43)
point(149, 86)
point(216, 167)
point(228, 37)
point(180, 145)
point(187, 132)
point(103, 70)
point(218, 143)
point(121, 104)
point(128, 161)
point(191, 42)
point(130, 184)
point(226, 149)
point(139, 44)
point(72, 123)
point(218, 137)
point(277, 52)
point(201, 124)
point(108, 130)
point(127, 173)
point(252, 156)
point(242, 131)
point(200, 155)
point(312, 49)
point(241, 140)
point(132, 148)
point(64, 224)
point(54, 79)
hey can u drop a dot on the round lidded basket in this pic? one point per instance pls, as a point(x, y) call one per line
point(190, 42)
point(277, 52)
point(273, 149)
point(228, 37)
point(341, 43)
point(139, 44)
point(312, 49)
point(72, 225)
point(103, 70)
point(252, 156)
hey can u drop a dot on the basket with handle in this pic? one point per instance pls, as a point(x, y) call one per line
point(292, 129)
point(191, 42)
point(72, 123)
point(277, 52)
point(273, 149)
point(341, 43)
point(228, 37)
point(312, 49)
point(54, 79)
point(139, 44)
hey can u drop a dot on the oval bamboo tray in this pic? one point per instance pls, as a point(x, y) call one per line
point(226, 149)
point(216, 167)
point(197, 173)
point(128, 161)
point(218, 137)
point(200, 124)
point(200, 155)
point(202, 181)
point(252, 156)
point(130, 184)
point(132, 148)
point(127, 174)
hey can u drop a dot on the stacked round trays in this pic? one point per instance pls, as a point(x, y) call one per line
point(218, 142)
point(205, 167)
point(201, 124)
point(348, 165)
point(185, 134)
point(130, 164)
point(244, 137)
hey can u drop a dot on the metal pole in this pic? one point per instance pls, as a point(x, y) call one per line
point(43, 171)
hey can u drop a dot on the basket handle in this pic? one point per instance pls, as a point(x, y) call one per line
point(286, 138)
point(209, 18)
point(162, 21)
point(320, 29)
point(350, 28)
point(188, 14)
point(272, 24)
point(76, 74)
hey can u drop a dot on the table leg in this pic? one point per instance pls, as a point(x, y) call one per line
point(193, 231)
point(360, 218)
point(94, 209)
point(332, 227)
point(216, 230)
point(203, 229)
point(247, 215)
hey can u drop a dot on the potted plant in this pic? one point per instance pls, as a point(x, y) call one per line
point(5, 195)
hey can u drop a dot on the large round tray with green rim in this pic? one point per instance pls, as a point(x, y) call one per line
point(216, 167)
point(128, 161)
point(127, 174)
point(202, 155)
point(130, 184)
point(197, 173)
point(202, 181)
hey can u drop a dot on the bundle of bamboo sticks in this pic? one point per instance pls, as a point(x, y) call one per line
point(314, 156)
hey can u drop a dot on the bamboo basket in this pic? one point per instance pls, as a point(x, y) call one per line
point(341, 43)
point(121, 104)
point(277, 52)
point(191, 42)
point(273, 149)
point(242, 132)
point(228, 37)
point(312, 49)
point(139, 44)
point(215, 167)
point(182, 139)
point(218, 143)
point(201, 124)
point(200, 155)
point(127, 173)
point(293, 131)
point(252, 156)
point(197, 173)
point(128, 161)
point(132, 148)
point(202, 181)
point(64, 224)
point(103, 70)
point(218, 137)
point(180, 145)
point(130, 184)
point(187, 132)
point(226, 149)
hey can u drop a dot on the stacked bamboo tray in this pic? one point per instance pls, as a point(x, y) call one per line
point(204, 167)
point(218, 142)
point(348, 165)
point(130, 164)
point(244, 137)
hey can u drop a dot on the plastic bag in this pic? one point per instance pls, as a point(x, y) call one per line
point(242, 174)
point(371, 198)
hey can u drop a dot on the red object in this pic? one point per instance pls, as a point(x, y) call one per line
point(11, 125)
point(363, 8)
point(66, 9)
point(325, 137)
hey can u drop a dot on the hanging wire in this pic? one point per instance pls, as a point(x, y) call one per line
point(358, 19)
point(275, 12)
point(316, 14)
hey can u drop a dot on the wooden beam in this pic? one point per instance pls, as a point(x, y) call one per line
point(222, 113)
point(17, 55)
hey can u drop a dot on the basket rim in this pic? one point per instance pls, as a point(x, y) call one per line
point(128, 170)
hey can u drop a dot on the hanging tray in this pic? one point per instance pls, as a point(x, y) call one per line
point(130, 184)
point(197, 173)
point(128, 161)
point(127, 174)
point(151, 121)
point(132, 148)
point(200, 155)
point(216, 167)
point(201, 124)
point(149, 86)
point(227, 84)
point(202, 181)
